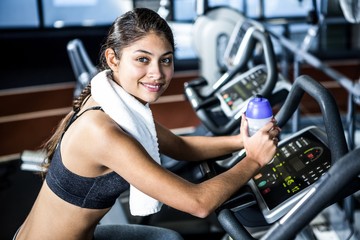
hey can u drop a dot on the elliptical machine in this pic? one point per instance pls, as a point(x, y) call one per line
point(219, 105)
point(211, 33)
point(303, 178)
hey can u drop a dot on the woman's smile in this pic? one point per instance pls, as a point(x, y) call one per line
point(153, 87)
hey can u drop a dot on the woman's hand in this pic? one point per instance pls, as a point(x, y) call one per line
point(261, 147)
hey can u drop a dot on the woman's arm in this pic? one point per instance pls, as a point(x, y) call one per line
point(120, 152)
point(197, 148)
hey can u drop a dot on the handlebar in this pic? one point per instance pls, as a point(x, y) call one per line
point(338, 176)
point(333, 125)
point(263, 37)
point(323, 191)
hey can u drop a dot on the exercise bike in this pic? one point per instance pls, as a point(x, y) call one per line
point(302, 166)
point(212, 29)
point(219, 106)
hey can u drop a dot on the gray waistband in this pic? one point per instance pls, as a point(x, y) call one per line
point(14, 238)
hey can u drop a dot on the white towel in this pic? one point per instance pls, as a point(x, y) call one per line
point(136, 119)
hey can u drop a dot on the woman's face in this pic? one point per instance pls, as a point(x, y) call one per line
point(145, 68)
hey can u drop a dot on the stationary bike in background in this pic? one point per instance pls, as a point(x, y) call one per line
point(82, 66)
point(219, 105)
point(212, 29)
point(301, 179)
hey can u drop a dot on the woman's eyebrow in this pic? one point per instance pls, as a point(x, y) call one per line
point(147, 52)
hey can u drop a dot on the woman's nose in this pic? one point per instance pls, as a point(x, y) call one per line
point(155, 72)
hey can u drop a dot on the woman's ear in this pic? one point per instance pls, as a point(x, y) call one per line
point(111, 59)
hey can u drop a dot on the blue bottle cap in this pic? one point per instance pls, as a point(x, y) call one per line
point(258, 108)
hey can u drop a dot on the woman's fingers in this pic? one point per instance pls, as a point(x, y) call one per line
point(244, 126)
point(275, 140)
point(272, 129)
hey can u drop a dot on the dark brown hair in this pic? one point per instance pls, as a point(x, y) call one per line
point(131, 27)
point(125, 30)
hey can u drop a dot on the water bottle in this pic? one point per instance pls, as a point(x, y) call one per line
point(258, 113)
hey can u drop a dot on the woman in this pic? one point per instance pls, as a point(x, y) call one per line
point(110, 142)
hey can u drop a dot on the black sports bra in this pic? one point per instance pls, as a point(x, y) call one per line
point(86, 192)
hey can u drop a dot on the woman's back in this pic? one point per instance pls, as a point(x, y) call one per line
point(55, 213)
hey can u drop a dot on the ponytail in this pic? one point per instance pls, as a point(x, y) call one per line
point(50, 145)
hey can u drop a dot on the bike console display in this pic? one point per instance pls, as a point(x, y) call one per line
point(299, 162)
point(235, 95)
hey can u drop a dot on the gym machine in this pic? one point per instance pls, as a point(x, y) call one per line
point(219, 106)
point(351, 12)
point(302, 164)
point(211, 33)
point(82, 66)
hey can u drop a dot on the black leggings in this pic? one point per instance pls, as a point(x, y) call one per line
point(131, 231)
point(134, 232)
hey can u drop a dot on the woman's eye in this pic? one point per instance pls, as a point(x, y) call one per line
point(143, 59)
point(167, 60)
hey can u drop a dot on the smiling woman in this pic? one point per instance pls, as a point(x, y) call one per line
point(149, 73)
point(110, 143)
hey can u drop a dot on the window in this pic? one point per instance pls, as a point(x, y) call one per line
point(85, 13)
point(183, 41)
point(19, 14)
point(288, 8)
point(184, 10)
